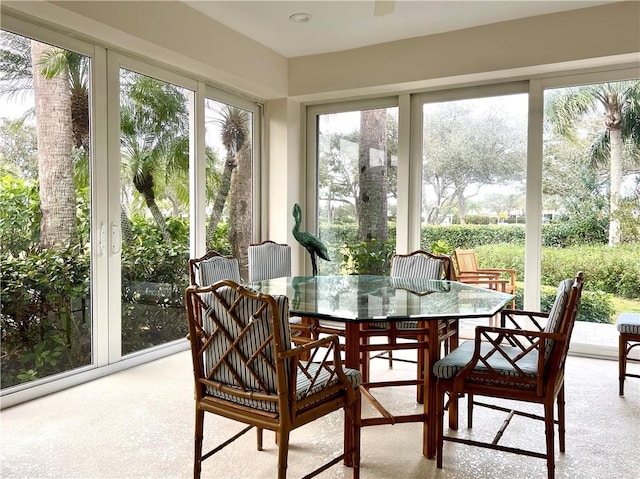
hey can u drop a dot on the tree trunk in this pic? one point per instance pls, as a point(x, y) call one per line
point(55, 164)
point(372, 166)
point(615, 139)
point(462, 211)
point(240, 208)
point(149, 199)
point(221, 198)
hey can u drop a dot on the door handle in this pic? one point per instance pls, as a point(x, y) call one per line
point(102, 238)
point(116, 239)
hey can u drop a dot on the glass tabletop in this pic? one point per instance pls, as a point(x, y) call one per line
point(369, 298)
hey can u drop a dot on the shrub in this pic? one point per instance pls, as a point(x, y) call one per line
point(595, 306)
point(368, 257)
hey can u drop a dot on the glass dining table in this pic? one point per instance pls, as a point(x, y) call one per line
point(361, 302)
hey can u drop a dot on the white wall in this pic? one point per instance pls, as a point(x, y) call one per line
point(575, 39)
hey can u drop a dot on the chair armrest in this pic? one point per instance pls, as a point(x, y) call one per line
point(487, 282)
point(498, 270)
point(513, 318)
point(319, 361)
point(512, 347)
point(479, 275)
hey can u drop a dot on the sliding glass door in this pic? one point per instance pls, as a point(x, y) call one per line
point(111, 171)
point(45, 210)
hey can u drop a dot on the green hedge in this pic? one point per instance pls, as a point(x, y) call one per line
point(555, 234)
point(614, 270)
point(595, 306)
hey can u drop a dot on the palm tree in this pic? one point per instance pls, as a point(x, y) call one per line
point(234, 126)
point(621, 104)
point(371, 204)
point(154, 138)
point(60, 86)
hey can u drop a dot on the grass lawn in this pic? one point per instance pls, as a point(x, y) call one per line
point(624, 304)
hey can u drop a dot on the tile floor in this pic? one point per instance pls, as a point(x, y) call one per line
point(138, 423)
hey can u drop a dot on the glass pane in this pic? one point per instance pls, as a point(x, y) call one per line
point(45, 313)
point(229, 183)
point(473, 185)
point(154, 151)
point(357, 190)
point(591, 197)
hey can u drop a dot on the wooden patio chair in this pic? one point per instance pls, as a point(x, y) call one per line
point(246, 370)
point(491, 278)
point(513, 363)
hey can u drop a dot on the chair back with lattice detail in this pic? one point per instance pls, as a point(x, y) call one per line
point(240, 336)
point(268, 260)
point(213, 267)
point(246, 370)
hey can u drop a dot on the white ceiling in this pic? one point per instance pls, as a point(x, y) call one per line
point(343, 24)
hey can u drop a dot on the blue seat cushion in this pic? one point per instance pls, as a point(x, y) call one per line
point(450, 365)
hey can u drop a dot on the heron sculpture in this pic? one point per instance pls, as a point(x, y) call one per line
point(311, 243)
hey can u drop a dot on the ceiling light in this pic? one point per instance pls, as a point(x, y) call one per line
point(300, 17)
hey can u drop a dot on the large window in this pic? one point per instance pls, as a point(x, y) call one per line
point(474, 157)
point(154, 203)
point(357, 188)
point(229, 144)
point(591, 193)
point(104, 163)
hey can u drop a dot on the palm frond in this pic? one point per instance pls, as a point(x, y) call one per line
point(53, 62)
point(600, 150)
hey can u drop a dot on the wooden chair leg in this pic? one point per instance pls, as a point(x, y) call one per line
point(420, 373)
point(549, 433)
point(355, 437)
point(439, 425)
point(259, 438)
point(283, 453)
point(469, 410)
point(622, 363)
point(561, 418)
point(197, 463)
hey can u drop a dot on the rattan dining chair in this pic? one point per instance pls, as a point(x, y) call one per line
point(213, 267)
point(246, 370)
point(628, 325)
point(422, 265)
point(268, 260)
point(512, 363)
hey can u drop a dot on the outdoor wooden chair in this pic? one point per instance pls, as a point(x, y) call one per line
point(213, 267)
point(499, 279)
point(246, 370)
point(512, 363)
point(422, 265)
point(628, 325)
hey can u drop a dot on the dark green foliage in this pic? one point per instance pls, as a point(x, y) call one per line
point(595, 306)
point(368, 257)
point(154, 277)
point(45, 317)
point(578, 232)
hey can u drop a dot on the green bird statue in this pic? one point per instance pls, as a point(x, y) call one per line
point(311, 243)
